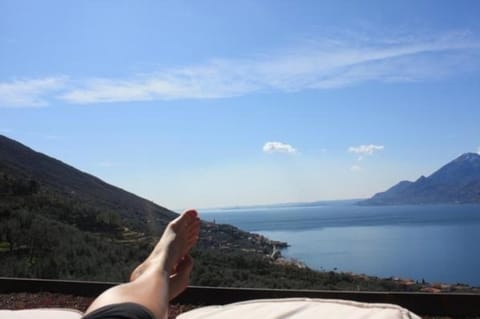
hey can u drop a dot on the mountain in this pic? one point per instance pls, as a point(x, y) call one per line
point(455, 182)
point(53, 175)
point(59, 222)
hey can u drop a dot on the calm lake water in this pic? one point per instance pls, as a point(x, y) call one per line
point(438, 243)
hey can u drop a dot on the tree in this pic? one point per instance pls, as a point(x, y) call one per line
point(12, 231)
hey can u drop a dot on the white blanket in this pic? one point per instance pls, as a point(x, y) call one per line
point(300, 308)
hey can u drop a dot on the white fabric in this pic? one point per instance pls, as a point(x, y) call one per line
point(295, 308)
point(300, 308)
point(41, 313)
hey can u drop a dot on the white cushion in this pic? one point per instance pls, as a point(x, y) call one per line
point(41, 313)
point(300, 308)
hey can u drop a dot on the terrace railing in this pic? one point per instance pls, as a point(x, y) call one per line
point(425, 304)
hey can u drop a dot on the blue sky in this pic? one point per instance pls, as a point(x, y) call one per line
point(214, 103)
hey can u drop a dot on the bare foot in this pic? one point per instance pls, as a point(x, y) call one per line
point(180, 235)
point(180, 279)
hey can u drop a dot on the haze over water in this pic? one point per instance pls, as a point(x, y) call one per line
point(437, 243)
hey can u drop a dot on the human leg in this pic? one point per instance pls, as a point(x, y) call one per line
point(151, 285)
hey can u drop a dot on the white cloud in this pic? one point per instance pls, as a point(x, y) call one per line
point(363, 150)
point(331, 62)
point(324, 65)
point(195, 83)
point(29, 92)
point(355, 168)
point(478, 150)
point(278, 147)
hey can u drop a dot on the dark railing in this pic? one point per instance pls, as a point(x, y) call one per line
point(425, 304)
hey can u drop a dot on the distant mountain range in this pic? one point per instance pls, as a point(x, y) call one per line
point(456, 182)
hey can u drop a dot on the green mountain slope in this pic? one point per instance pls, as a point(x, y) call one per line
point(59, 222)
point(57, 177)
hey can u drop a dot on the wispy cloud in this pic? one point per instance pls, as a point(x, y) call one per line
point(29, 92)
point(363, 150)
point(330, 62)
point(278, 147)
point(214, 80)
point(324, 65)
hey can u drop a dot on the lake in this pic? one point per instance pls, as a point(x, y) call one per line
point(437, 243)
